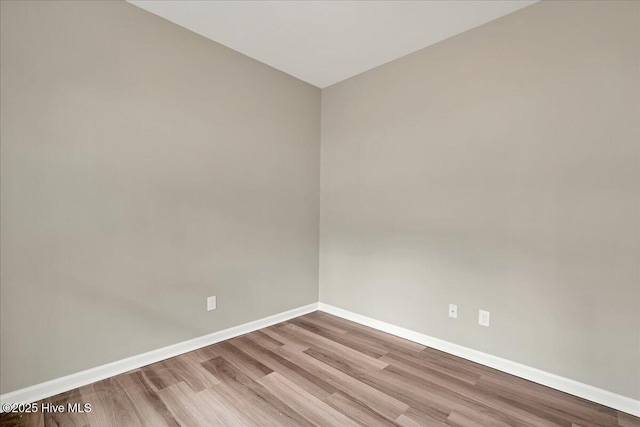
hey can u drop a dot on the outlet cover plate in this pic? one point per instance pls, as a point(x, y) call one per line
point(484, 318)
point(212, 303)
point(453, 311)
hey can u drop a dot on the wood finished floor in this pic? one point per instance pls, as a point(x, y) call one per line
point(320, 370)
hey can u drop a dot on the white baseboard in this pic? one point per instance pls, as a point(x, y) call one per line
point(585, 391)
point(69, 382)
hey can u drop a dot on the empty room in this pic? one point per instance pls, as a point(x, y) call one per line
point(320, 213)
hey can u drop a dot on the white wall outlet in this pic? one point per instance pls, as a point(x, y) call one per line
point(212, 304)
point(453, 311)
point(483, 318)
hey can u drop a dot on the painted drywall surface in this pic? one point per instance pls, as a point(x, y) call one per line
point(144, 168)
point(497, 170)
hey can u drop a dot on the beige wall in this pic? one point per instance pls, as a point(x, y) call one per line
point(144, 168)
point(497, 170)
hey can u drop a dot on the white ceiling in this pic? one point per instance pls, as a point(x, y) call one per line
point(324, 42)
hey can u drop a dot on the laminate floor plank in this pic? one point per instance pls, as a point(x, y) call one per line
point(17, 419)
point(533, 402)
point(244, 404)
point(319, 370)
point(407, 347)
point(310, 382)
point(464, 415)
point(263, 339)
point(150, 408)
point(414, 418)
point(426, 373)
point(547, 396)
point(110, 404)
point(459, 394)
point(217, 408)
point(626, 420)
point(384, 403)
point(313, 409)
point(366, 331)
point(245, 390)
point(160, 375)
point(357, 411)
point(285, 337)
point(242, 361)
point(457, 419)
point(402, 387)
point(186, 368)
point(355, 356)
point(65, 418)
point(203, 354)
point(405, 421)
point(183, 405)
point(353, 342)
point(426, 370)
point(325, 325)
point(412, 390)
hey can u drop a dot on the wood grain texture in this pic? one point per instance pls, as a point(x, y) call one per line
point(320, 370)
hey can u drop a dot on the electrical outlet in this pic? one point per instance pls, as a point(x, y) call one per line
point(483, 318)
point(212, 304)
point(453, 311)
